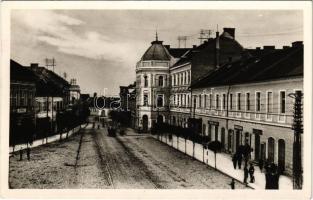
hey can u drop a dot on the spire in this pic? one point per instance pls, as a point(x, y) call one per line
point(156, 35)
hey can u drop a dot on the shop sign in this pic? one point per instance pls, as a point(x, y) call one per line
point(238, 127)
point(213, 123)
point(21, 110)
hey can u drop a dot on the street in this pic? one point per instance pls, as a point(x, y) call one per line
point(92, 159)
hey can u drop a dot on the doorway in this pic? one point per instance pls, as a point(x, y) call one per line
point(281, 155)
point(145, 123)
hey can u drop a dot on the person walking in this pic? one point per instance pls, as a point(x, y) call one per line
point(28, 153)
point(234, 159)
point(261, 164)
point(251, 173)
point(239, 159)
point(232, 184)
point(246, 172)
point(21, 154)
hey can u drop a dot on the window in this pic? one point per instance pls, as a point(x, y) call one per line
point(145, 99)
point(200, 100)
point(22, 98)
point(258, 101)
point(146, 81)
point(231, 101)
point(178, 99)
point(247, 101)
point(194, 101)
point(184, 77)
point(160, 100)
point(161, 81)
point(210, 101)
point(205, 100)
point(224, 101)
point(282, 102)
point(185, 99)
point(238, 101)
point(174, 99)
point(188, 100)
point(269, 102)
point(181, 79)
point(188, 77)
point(217, 106)
point(174, 79)
point(14, 98)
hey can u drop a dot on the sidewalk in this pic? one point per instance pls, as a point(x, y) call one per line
point(43, 141)
point(223, 163)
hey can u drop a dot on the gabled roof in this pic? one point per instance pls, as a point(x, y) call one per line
point(47, 82)
point(223, 39)
point(20, 73)
point(283, 63)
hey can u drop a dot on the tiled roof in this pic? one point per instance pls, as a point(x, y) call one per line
point(20, 73)
point(47, 82)
point(277, 64)
point(178, 52)
point(156, 52)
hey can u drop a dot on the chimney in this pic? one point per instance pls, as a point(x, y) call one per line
point(269, 47)
point(230, 31)
point(194, 46)
point(217, 50)
point(297, 44)
point(34, 65)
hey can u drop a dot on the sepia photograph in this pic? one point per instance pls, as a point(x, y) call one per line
point(145, 97)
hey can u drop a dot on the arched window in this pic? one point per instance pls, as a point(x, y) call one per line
point(160, 101)
point(161, 81)
point(146, 81)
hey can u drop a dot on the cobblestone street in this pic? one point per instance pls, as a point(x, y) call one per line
point(130, 161)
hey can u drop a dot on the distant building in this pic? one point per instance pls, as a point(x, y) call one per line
point(74, 90)
point(246, 102)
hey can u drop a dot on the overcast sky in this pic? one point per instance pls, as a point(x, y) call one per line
point(100, 48)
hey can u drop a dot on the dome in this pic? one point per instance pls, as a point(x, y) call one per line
point(156, 52)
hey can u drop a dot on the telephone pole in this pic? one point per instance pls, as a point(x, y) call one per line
point(205, 34)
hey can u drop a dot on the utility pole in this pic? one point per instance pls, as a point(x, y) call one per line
point(51, 63)
point(204, 35)
point(298, 130)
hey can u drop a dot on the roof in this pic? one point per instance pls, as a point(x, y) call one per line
point(224, 38)
point(20, 73)
point(47, 82)
point(283, 63)
point(178, 52)
point(156, 52)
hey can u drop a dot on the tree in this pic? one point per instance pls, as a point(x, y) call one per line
point(215, 146)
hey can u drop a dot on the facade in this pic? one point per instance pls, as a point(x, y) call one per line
point(193, 65)
point(247, 102)
point(22, 107)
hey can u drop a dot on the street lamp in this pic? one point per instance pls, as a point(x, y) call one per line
point(298, 130)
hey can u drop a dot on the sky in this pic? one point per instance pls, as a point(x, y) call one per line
point(100, 48)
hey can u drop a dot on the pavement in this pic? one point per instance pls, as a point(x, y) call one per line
point(92, 159)
point(223, 163)
point(46, 140)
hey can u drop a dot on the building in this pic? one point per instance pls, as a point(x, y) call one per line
point(153, 85)
point(193, 65)
point(74, 90)
point(22, 104)
point(247, 102)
